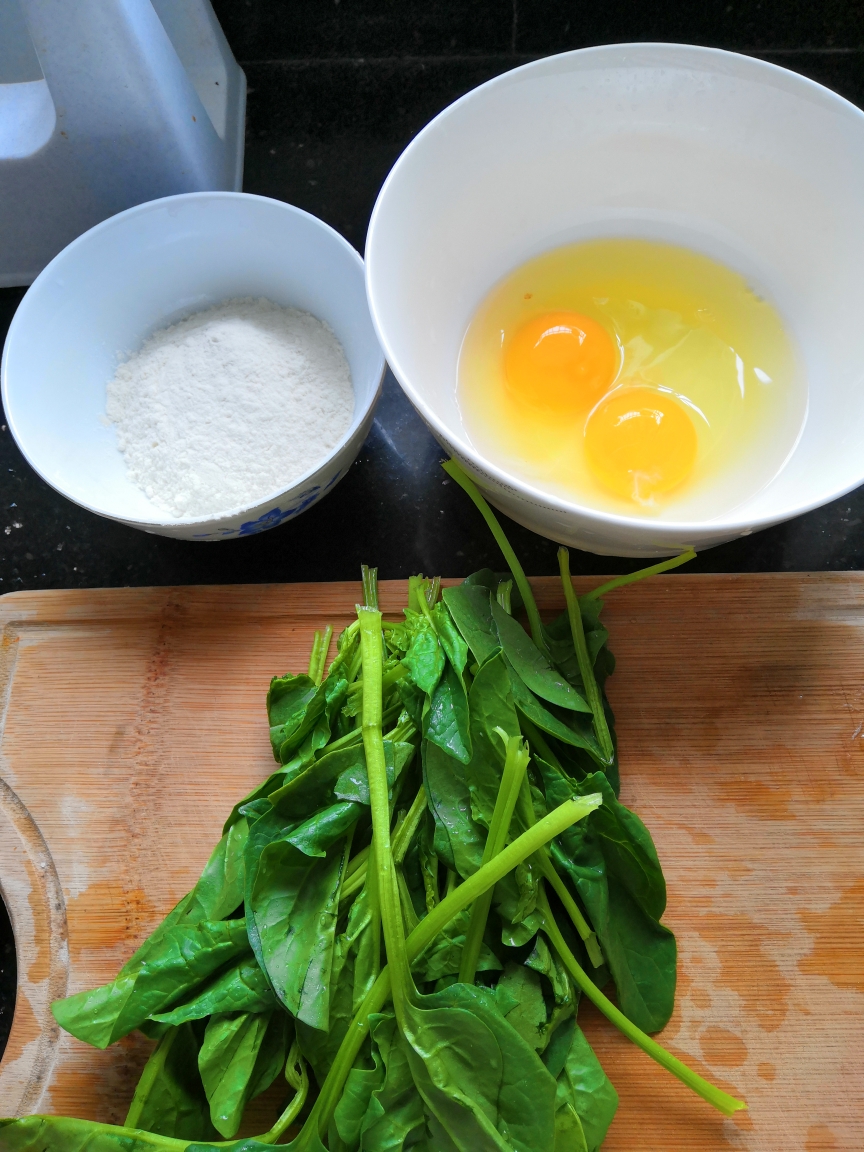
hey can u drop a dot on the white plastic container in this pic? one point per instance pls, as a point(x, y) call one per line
point(105, 104)
point(150, 267)
point(744, 161)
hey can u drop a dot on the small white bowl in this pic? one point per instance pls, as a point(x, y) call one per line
point(744, 161)
point(148, 267)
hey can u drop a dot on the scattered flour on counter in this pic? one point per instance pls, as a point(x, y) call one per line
point(229, 405)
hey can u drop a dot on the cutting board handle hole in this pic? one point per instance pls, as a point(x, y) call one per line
point(8, 976)
point(34, 956)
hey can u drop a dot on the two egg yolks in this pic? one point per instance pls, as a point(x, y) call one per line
point(639, 441)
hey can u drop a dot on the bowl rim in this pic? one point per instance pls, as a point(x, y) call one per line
point(727, 526)
point(215, 519)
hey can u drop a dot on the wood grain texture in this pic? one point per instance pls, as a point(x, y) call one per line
point(132, 719)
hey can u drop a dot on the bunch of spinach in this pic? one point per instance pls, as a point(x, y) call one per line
point(412, 903)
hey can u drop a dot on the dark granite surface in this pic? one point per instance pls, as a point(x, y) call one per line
point(337, 88)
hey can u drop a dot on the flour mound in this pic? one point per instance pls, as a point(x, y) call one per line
point(230, 405)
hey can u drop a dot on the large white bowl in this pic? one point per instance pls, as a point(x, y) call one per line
point(746, 162)
point(150, 266)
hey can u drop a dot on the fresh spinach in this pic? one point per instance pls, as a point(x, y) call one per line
point(182, 958)
point(294, 903)
point(241, 988)
point(585, 1100)
point(612, 862)
point(446, 720)
point(458, 1030)
point(170, 1098)
point(240, 1057)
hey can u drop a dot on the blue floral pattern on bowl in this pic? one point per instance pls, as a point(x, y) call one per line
point(274, 516)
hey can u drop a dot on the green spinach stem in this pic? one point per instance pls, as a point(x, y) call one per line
point(370, 586)
point(298, 1077)
point(536, 737)
point(322, 654)
point(405, 833)
point(515, 765)
point(356, 860)
point(632, 577)
point(723, 1102)
point(370, 882)
point(457, 473)
point(592, 944)
point(586, 668)
point(318, 655)
point(547, 869)
point(379, 801)
point(313, 655)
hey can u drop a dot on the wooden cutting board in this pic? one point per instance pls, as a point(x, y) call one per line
point(132, 719)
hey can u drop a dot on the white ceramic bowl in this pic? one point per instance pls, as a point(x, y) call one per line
point(150, 266)
point(746, 162)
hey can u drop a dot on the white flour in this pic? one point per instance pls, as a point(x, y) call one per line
point(230, 405)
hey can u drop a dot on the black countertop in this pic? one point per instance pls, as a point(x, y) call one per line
point(337, 88)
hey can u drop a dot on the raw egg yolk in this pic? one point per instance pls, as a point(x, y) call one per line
point(562, 361)
point(640, 442)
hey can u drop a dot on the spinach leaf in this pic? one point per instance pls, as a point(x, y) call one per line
point(528, 1016)
point(543, 960)
point(450, 638)
point(352, 974)
point(444, 955)
point(61, 1134)
point(361, 1082)
point(288, 700)
point(241, 988)
point(446, 722)
point(485, 626)
point(471, 608)
point(532, 666)
point(309, 712)
point(613, 865)
point(381, 1108)
point(213, 897)
point(170, 1099)
point(584, 1097)
point(424, 660)
point(353, 783)
point(499, 1101)
point(555, 1053)
point(559, 641)
point(240, 1057)
point(413, 700)
point(219, 892)
point(458, 840)
point(577, 729)
point(304, 794)
point(183, 958)
point(341, 773)
point(294, 903)
point(483, 578)
point(490, 701)
point(263, 830)
point(315, 835)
